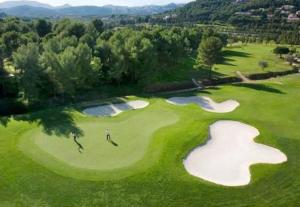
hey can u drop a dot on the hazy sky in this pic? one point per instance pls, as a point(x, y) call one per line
point(105, 2)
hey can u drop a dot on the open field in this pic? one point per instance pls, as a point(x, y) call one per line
point(41, 166)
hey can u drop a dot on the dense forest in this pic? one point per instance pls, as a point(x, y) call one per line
point(58, 60)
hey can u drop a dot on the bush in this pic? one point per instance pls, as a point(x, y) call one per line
point(263, 64)
point(281, 50)
point(162, 87)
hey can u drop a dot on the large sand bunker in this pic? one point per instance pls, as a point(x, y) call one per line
point(226, 157)
point(115, 109)
point(206, 103)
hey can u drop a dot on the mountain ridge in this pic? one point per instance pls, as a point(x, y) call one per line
point(35, 9)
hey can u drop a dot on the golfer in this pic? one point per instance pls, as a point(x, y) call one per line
point(108, 136)
point(73, 134)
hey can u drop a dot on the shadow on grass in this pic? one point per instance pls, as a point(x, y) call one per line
point(203, 72)
point(4, 121)
point(114, 143)
point(53, 122)
point(228, 57)
point(259, 87)
point(232, 53)
point(80, 147)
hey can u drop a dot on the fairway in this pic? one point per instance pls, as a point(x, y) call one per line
point(245, 58)
point(132, 136)
point(240, 57)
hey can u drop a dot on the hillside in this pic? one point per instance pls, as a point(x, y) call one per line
point(34, 9)
point(236, 11)
point(11, 4)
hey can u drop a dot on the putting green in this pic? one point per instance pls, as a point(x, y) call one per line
point(132, 133)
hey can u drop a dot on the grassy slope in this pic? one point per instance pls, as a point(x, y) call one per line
point(246, 58)
point(243, 58)
point(269, 106)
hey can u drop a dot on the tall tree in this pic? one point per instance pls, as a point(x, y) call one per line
point(42, 27)
point(26, 59)
point(98, 24)
point(209, 52)
point(77, 29)
point(2, 74)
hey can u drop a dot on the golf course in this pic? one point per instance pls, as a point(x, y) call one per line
point(40, 164)
point(162, 103)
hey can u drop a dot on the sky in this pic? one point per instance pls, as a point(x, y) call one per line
point(105, 2)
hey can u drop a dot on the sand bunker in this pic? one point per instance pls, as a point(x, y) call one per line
point(226, 157)
point(206, 103)
point(115, 109)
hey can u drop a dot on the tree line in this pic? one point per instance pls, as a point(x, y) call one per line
point(60, 59)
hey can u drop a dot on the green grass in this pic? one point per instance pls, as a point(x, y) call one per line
point(131, 132)
point(158, 177)
point(243, 58)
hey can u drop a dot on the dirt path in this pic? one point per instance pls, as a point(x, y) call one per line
point(241, 76)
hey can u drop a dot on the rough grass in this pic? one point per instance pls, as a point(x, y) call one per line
point(159, 179)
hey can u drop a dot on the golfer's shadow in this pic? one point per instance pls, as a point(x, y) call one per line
point(113, 143)
point(80, 147)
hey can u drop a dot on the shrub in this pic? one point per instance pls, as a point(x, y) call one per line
point(263, 64)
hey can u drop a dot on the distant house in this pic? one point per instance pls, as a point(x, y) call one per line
point(241, 1)
point(285, 12)
point(293, 18)
point(287, 7)
point(167, 17)
point(298, 13)
point(243, 13)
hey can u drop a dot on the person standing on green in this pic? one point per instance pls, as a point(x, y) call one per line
point(108, 135)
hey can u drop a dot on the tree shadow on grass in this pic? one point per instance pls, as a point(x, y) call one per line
point(203, 72)
point(4, 121)
point(259, 87)
point(53, 122)
point(233, 53)
point(80, 147)
point(228, 57)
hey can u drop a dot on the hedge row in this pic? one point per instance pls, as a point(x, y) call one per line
point(160, 87)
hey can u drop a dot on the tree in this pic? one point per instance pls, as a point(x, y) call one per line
point(42, 27)
point(26, 59)
point(11, 41)
point(2, 74)
point(209, 52)
point(98, 24)
point(69, 68)
point(281, 51)
point(77, 29)
point(132, 56)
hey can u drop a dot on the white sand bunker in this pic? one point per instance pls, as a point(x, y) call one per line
point(115, 109)
point(206, 103)
point(226, 157)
